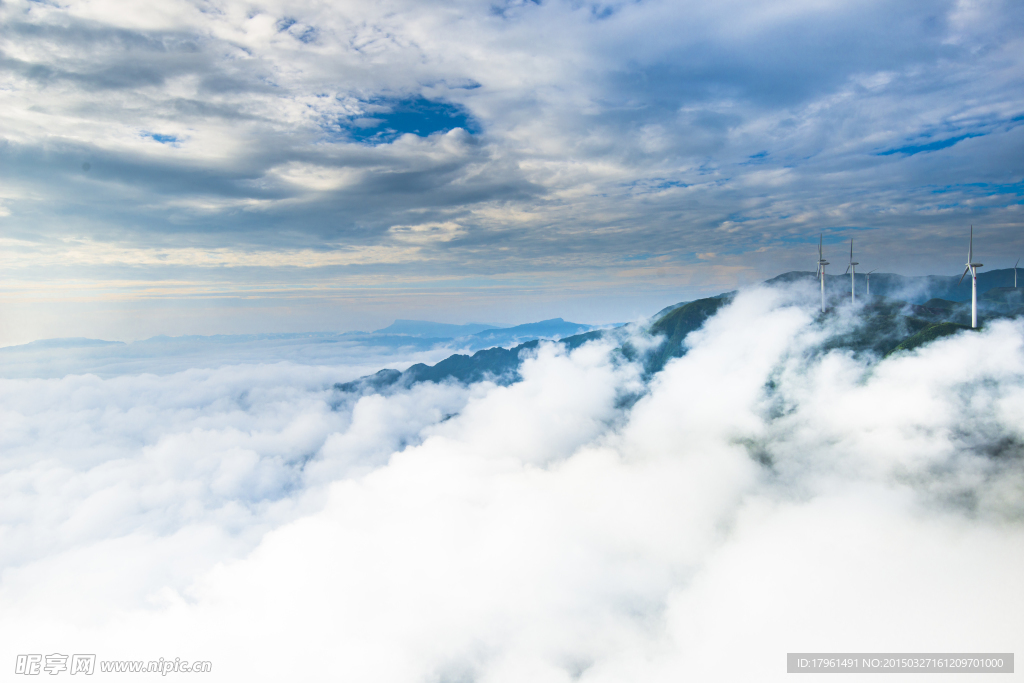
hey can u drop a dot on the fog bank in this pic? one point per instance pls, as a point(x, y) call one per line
point(760, 497)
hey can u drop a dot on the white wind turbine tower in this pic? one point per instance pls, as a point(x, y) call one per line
point(973, 268)
point(868, 276)
point(853, 275)
point(821, 273)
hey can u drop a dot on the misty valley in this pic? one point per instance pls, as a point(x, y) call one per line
point(738, 471)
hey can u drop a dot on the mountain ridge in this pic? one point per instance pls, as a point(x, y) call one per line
point(887, 326)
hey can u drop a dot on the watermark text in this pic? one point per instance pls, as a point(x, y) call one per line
point(57, 663)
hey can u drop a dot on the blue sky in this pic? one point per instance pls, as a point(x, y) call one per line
point(217, 167)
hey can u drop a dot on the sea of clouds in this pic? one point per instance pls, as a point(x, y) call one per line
point(756, 497)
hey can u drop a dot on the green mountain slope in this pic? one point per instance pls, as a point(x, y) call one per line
point(928, 334)
point(678, 323)
point(881, 327)
point(498, 364)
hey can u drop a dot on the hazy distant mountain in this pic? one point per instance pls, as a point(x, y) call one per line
point(1010, 295)
point(66, 343)
point(478, 335)
point(556, 328)
point(404, 340)
point(163, 354)
point(423, 328)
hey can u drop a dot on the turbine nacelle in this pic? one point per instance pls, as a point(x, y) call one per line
point(853, 275)
point(821, 271)
point(972, 268)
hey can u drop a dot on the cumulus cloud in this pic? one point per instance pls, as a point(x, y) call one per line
point(589, 146)
point(757, 496)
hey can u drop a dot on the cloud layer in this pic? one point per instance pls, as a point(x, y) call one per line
point(759, 497)
point(396, 153)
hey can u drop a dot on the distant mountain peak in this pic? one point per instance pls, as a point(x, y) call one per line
point(426, 328)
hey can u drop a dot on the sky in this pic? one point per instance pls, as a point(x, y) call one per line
point(225, 168)
point(758, 496)
point(235, 167)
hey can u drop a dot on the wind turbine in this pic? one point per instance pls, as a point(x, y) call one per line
point(973, 268)
point(868, 276)
point(853, 275)
point(821, 273)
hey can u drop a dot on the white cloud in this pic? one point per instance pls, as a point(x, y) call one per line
point(427, 233)
point(772, 116)
point(759, 498)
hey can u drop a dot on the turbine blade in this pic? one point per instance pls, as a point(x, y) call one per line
point(962, 276)
point(847, 270)
point(970, 248)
